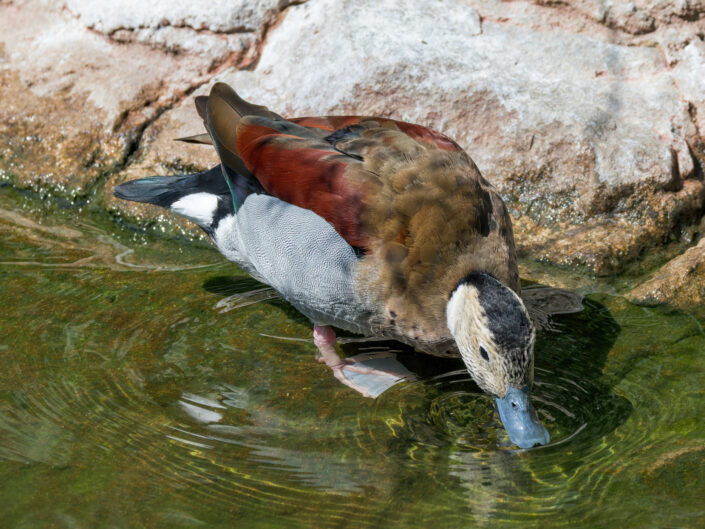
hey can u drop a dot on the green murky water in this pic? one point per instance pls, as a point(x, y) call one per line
point(147, 386)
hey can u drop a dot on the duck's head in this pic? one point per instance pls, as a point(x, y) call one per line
point(494, 334)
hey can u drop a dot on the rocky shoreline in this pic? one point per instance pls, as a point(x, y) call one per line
point(590, 120)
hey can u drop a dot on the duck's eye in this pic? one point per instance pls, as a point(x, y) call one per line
point(484, 354)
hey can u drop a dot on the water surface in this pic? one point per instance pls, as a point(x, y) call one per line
point(148, 383)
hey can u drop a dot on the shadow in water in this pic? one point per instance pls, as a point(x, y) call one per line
point(570, 360)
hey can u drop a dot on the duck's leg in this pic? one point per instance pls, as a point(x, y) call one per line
point(365, 379)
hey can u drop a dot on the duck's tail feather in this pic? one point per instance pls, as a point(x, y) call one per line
point(222, 112)
point(200, 139)
point(207, 197)
point(204, 198)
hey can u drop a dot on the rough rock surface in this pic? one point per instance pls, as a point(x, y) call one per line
point(75, 100)
point(588, 116)
point(637, 16)
point(216, 29)
point(680, 282)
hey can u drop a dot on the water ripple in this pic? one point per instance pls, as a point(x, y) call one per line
point(142, 399)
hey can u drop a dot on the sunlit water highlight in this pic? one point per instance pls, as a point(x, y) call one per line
point(148, 385)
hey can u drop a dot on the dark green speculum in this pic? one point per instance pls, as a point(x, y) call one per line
point(148, 383)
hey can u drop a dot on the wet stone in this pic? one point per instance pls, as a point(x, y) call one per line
point(680, 282)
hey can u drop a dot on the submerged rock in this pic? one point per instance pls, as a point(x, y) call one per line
point(680, 282)
point(587, 117)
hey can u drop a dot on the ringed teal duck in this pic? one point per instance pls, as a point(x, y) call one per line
point(368, 224)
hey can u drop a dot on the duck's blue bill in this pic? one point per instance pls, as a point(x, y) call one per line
point(519, 419)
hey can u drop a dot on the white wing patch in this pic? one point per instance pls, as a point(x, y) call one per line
point(197, 207)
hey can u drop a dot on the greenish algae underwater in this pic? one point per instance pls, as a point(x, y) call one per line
point(142, 386)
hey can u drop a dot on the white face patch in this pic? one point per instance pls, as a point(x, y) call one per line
point(197, 207)
point(468, 324)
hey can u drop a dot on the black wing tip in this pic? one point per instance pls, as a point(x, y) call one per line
point(125, 191)
point(151, 190)
point(119, 193)
point(165, 190)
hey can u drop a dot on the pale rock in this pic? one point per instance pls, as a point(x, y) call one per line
point(81, 80)
point(215, 29)
point(230, 16)
point(573, 130)
point(689, 76)
point(73, 102)
point(588, 116)
point(177, 40)
point(636, 16)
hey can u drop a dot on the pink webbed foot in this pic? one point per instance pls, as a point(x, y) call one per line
point(381, 372)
